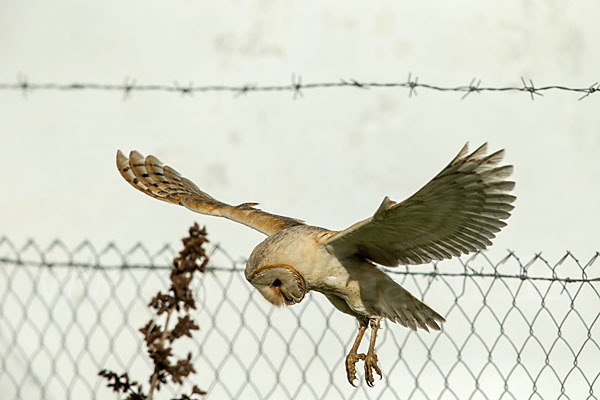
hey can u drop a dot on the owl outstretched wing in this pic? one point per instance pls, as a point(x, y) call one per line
point(456, 213)
point(148, 175)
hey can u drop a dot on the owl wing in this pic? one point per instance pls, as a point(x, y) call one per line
point(148, 175)
point(456, 213)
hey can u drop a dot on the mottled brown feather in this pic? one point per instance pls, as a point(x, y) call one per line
point(149, 176)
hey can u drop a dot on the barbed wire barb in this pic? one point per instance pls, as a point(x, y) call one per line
point(594, 87)
point(244, 89)
point(128, 86)
point(355, 83)
point(531, 88)
point(472, 88)
point(189, 89)
point(297, 85)
point(412, 85)
point(23, 84)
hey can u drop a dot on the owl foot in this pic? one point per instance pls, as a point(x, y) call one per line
point(370, 365)
point(371, 357)
point(351, 360)
point(353, 357)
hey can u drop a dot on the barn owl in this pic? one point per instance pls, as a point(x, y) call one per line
point(457, 212)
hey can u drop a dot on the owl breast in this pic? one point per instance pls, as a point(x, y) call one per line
point(300, 247)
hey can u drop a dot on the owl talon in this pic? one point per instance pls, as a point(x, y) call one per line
point(353, 356)
point(371, 357)
point(370, 365)
point(351, 359)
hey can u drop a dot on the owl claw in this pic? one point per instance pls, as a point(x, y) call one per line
point(370, 365)
point(351, 360)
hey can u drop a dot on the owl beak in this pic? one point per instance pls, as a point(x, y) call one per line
point(290, 300)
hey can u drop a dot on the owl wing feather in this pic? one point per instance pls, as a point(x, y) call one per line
point(149, 176)
point(457, 212)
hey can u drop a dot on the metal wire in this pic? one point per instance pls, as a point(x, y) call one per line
point(515, 329)
point(296, 87)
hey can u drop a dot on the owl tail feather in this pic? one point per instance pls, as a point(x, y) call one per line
point(402, 307)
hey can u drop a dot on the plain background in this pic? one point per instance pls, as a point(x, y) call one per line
point(328, 157)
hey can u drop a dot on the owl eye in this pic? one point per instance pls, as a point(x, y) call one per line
point(276, 283)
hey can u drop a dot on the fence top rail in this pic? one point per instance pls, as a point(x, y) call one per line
point(110, 257)
point(213, 268)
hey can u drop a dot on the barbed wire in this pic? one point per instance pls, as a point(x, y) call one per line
point(296, 87)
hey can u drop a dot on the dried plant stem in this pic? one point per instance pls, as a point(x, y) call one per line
point(163, 338)
point(159, 340)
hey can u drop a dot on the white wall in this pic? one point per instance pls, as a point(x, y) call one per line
point(328, 157)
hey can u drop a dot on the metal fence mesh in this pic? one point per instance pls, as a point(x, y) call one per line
point(516, 329)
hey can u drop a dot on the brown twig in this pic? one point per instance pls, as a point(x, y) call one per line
point(179, 299)
point(154, 378)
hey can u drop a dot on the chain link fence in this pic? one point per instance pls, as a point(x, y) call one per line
point(517, 329)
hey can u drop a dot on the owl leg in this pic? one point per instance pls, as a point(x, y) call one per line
point(353, 357)
point(371, 357)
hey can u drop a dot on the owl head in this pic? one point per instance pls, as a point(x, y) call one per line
point(280, 284)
